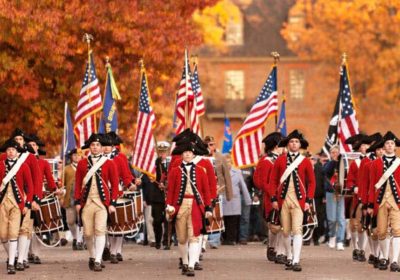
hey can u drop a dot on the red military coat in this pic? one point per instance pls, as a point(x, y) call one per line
point(24, 185)
point(123, 170)
point(305, 175)
point(363, 186)
point(261, 178)
point(45, 172)
point(375, 196)
point(109, 188)
point(176, 160)
point(174, 194)
point(352, 180)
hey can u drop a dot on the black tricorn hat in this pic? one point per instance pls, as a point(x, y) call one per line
point(71, 152)
point(116, 139)
point(295, 134)
point(357, 140)
point(11, 143)
point(95, 137)
point(36, 139)
point(107, 140)
point(187, 136)
point(388, 136)
point(183, 147)
point(272, 140)
point(20, 132)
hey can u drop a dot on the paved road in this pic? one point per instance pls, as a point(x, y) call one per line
point(228, 262)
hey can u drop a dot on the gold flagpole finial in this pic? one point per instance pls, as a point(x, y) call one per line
point(194, 58)
point(87, 38)
point(344, 58)
point(276, 57)
point(141, 63)
point(108, 62)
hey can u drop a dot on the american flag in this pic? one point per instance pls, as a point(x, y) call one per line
point(88, 105)
point(348, 125)
point(185, 92)
point(197, 92)
point(144, 154)
point(247, 145)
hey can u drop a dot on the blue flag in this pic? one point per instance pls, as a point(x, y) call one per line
point(281, 126)
point(108, 120)
point(227, 145)
point(68, 141)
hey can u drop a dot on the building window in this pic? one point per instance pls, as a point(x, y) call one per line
point(234, 85)
point(234, 33)
point(297, 84)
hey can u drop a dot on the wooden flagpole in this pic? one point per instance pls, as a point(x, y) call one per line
point(276, 57)
point(88, 38)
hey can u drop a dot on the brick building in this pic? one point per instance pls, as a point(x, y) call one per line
point(231, 80)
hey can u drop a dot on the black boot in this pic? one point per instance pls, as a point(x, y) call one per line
point(361, 256)
point(383, 264)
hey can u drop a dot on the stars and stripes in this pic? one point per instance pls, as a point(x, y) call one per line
point(348, 125)
point(144, 154)
point(247, 145)
point(197, 92)
point(186, 104)
point(88, 105)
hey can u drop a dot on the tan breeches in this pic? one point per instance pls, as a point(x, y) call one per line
point(10, 220)
point(94, 219)
point(291, 218)
point(183, 225)
point(355, 223)
point(388, 215)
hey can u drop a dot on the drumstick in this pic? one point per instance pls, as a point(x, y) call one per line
point(52, 194)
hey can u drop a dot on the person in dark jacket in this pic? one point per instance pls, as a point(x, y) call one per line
point(319, 199)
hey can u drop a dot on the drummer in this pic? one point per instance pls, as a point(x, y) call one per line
point(16, 194)
point(126, 182)
point(96, 189)
point(45, 173)
point(360, 143)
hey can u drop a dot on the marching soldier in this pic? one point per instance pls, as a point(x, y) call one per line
point(384, 199)
point(261, 179)
point(375, 151)
point(188, 199)
point(44, 173)
point(96, 189)
point(68, 203)
point(127, 182)
point(360, 143)
point(292, 186)
point(16, 194)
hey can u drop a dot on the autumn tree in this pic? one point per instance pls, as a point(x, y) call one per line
point(42, 57)
point(368, 31)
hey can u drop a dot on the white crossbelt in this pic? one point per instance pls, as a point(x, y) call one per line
point(388, 173)
point(93, 169)
point(291, 168)
point(14, 170)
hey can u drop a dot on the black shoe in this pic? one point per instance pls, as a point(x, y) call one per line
point(296, 267)
point(201, 257)
point(26, 264)
point(97, 267)
point(371, 259)
point(31, 258)
point(113, 259)
point(180, 265)
point(190, 272)
point(158, 246)
point(271, 254)
point(226, 242)
point(106, 254)
point(10, 269)
point(166, 247)
point(74, 245)
point(289, 265)
point(79, 246)
point(36, 260)
point(197, 266)
point(316, 243)
point(361, 256)
point(153, 244)
point(185, 269)
point(20, 267)
point(102, 265)
point(203, 250)
point(63, 242)
point(91, 263)
point(145, 243)
point(383, 264)
point(281, 259)
point(307, 243)
point(394, 267)
point(355, 254)
point(347, 243)
point(119, 257)
point(376, 262)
